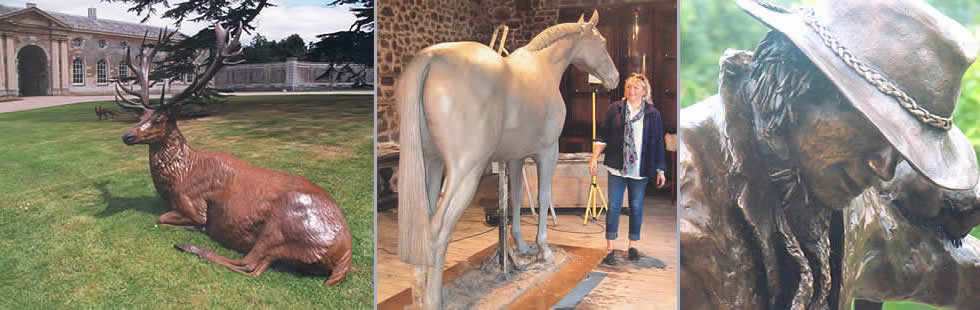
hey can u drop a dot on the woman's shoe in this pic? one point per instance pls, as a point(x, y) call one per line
point(634, 254)
point(610, 259)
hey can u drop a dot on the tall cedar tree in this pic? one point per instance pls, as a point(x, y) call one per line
point(183, 54)
point(355, 45)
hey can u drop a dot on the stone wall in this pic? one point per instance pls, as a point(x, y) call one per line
point(405, 27)
point(290, 75)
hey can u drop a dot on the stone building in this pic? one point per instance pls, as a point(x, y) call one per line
point(51, 53)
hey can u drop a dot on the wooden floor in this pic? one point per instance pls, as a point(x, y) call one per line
point(623, 288)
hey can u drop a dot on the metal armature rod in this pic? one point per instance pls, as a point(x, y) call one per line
point(502, 197)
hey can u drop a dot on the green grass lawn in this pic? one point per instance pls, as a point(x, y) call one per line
point(9, 99)
point(78, 207)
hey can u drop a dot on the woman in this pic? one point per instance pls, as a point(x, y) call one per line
point(633, 138)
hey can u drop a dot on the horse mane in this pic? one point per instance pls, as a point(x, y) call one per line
point(552, 35)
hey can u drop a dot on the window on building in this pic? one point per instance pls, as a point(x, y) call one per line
point(101, 74)
point(123, 45)
point(77, 42)
point(102, 44)
point(77, 72)
point(189, 77)
point(123, 71)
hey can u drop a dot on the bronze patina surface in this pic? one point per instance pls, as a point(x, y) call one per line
point(769, 166)
point(907, 240)
point(268, 214)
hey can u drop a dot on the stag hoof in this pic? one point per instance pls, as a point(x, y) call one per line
point(190, 248)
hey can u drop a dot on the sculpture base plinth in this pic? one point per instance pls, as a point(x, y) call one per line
point(473, 284)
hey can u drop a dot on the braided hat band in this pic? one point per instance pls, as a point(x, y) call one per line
point(879, 80)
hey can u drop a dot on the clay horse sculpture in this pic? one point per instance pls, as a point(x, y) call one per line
point(268, 214)
point(464, 106)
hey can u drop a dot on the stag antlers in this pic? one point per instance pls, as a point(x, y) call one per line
point(226, 47)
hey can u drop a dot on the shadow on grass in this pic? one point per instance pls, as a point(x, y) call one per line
point(114, 205)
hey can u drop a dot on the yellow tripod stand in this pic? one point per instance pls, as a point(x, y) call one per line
point(592, 207)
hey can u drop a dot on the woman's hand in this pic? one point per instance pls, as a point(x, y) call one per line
point(593, 163)
point(661, 180)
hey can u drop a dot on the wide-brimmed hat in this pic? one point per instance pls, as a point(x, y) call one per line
point(900, 63)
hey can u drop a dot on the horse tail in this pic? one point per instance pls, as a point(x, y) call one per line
point(413, 204)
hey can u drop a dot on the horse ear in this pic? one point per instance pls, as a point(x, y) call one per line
point(581, 18)
point(595, 17)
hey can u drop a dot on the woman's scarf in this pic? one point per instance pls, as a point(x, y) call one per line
point(629, 146)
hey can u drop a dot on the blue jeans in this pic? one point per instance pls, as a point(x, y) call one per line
point(636, 189)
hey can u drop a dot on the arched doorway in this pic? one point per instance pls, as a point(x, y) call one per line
point(32, 71)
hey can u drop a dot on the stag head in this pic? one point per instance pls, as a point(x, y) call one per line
point(160, 118)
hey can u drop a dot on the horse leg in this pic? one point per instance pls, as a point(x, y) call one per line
point(434, 167)
point(516, 196)
point(546, 161)
point(418, 285)
point(461, 184)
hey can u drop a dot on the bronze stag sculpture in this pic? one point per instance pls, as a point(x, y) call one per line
point(104, 113)
point(268, 214)
point(464, 106)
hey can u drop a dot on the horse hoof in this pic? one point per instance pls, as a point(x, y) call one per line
point(546, 256)
point(522, 248)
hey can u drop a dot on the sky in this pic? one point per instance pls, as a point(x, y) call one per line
point(308, 18)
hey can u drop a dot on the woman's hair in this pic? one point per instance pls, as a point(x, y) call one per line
point(638, 78)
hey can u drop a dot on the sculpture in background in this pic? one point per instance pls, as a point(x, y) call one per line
point(463, 106)
point(268, 214)
point(829, 103)
point(104, 113)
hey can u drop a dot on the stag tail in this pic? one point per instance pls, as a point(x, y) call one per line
point(413, 205)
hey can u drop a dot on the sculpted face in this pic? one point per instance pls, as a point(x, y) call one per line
point(839, 152)
point(151, 128)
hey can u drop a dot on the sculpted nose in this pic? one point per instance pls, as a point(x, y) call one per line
point(883, 162)
point(128, 138)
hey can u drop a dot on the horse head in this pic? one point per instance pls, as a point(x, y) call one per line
point(591, 54)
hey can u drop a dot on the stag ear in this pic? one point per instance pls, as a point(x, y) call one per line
point(581, 18)
point(595, 17)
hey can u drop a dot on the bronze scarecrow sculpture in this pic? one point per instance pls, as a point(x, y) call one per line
point(828, 105)
point(463, 106)
point(268, 214)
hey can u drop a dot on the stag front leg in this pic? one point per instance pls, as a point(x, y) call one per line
point(185, 212)
point(175, 219)
point(515, 178)
point(545, 162)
